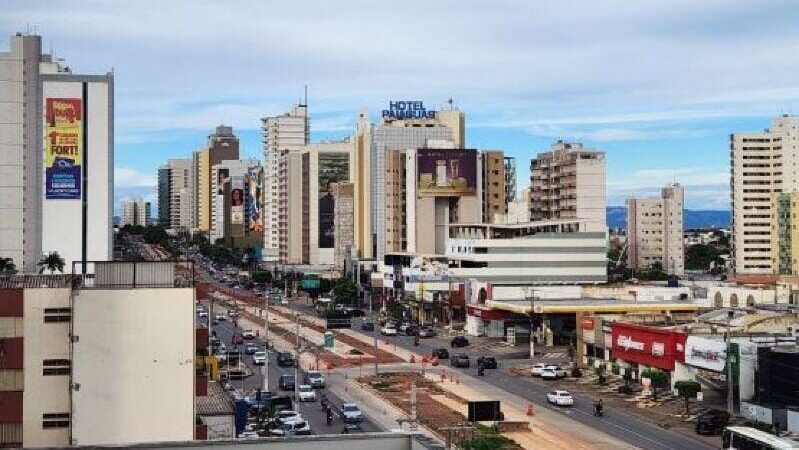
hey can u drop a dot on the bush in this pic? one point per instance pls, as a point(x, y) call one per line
point(659, 379)
point(614, 369)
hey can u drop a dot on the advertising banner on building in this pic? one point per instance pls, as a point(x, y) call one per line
point(333, 168)
point(710, 354)
point(446, 172)
point(254, 201)
point(652, 347)
point(237, 201)
point(63, 151)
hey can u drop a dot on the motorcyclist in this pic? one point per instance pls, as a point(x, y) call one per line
point(598, 407)
point(416, 340)
point(329, 417)
point(481, 369)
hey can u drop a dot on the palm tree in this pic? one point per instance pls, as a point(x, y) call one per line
point(7, 266)
point(52, 262)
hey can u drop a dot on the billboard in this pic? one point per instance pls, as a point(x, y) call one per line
point(706, 353)
point(255, 222)
point(446, 172)
point(333, 168)
point(63, 151)
point(484, 411)
point(222, 177)
point(647, 346)
point(237, 201)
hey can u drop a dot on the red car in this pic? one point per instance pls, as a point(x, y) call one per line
point(238, 339)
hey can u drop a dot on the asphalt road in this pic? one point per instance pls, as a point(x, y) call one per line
point(311, 411)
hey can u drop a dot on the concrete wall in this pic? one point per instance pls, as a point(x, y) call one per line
point(134, 361)
point(371, 441)
point(220, 427)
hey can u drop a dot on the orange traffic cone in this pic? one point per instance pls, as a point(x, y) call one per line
point(530, 410)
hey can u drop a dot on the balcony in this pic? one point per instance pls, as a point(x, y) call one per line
point(131, 275)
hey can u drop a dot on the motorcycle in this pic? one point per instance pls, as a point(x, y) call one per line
point(598, 412)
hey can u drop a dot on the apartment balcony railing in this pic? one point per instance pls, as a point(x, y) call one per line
point(131, 275)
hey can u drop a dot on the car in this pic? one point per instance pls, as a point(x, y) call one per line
point(441, 353)
point(259, 358)
point(427, 332)
point(307, 393)
point(221, 355)
point(286, 382)
point(388, 331)
point(315, 379)
point(537, 369)
point(248, 334)
point(712, 421)
point(459, 341)
point(199, 308)
point(284, 301)
point(219, 318)
point(404, 326)
point(232, 313)
point(368, 326)
point(238, 339)
point(412, 330)
point(552, 373)
point(288, 416)
point(250, 348)
point(285, 359)
point(351, 413)
point(290, 429)
point(460, 360)
point(202, 315)
point(560, 398)
point(489, 362)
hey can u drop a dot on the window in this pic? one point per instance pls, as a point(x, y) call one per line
point(56, 367)
point(55, 420)
point(57, 315)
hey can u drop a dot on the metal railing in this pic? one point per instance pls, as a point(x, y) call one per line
point(133, 274)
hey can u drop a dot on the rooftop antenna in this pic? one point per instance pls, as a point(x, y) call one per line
point(306, 95)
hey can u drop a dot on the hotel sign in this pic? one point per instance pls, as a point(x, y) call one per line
point(407, 109)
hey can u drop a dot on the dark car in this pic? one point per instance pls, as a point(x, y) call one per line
point(367, 326)
point(441, 353)
point(285, 359)
point(238, 339)
point(286, 382)
point(461, 360)
point(712, 421)
point(459, 341)
point(412, 330)
point(488, 362)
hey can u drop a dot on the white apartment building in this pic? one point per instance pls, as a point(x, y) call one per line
point(655, 231)
point(762, 164)
point(176, 185)
point(568, 182)
point(135, 212)
point(56, 158)
point(279, 133)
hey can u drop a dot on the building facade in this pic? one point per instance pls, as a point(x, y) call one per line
point(279, 133)
point(176, 188)
point(343, 224)
point(495, 195)
point(655, 231)
point(510, 179)
point(56, 158)
point(568, 182)
point(237, 203)
point(135, 212)
point(785, 233)
point(762, 164)
point(222, 145)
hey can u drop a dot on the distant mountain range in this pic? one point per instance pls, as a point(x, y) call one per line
point(694, 218)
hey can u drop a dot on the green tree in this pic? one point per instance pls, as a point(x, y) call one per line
point(700, 257)
point(345, 290)
point(52, 262)
point(156, 235)
point(267, 419)
point(261, 277)
point(658, 379)
point(688, 390)
point(7, 266)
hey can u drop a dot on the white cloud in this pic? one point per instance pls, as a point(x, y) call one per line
point(125, 177)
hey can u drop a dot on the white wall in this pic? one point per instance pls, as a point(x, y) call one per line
point(134, 361)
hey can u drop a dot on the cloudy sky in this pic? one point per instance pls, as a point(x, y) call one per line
point(658, 85)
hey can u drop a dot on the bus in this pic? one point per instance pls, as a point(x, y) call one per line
point(746, 438)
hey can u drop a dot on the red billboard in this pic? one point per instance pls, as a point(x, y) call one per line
point(654, 347)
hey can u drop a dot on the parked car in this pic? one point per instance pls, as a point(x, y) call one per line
point(459, 341)
point(220, 318)
point(250, 348)
point(427, 332)
point(537, 369)
point(460, 360)
point(351, 413)
point(441, 353)
point(712, 421)
point(291, 429)
point(388, 331)
point(560, 398)
point(285, 359)
point(315, 379)
point(489, 362)
point(288, 416)
point(307, 393)
point(404, 326)
point(368, 326)
point(202, 315)
point(259, 358)
point(412, 330)
point(232, 313)
point(248, 334)
point(286, 382)
point(238, 339)
point(552, 373)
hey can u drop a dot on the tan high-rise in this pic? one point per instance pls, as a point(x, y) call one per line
point(222, 145)
point(655, 231)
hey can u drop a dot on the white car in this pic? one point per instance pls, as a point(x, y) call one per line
point(290, 429)
point(307, 394)
point(284, 301)
point(560, 398)
point(248, 334)
point(388, 331)
point(259, 358)
point(351, 413)
point(537, 369)
point(291, 417)
point(552, 373)
point(220, 318)
point(202, 315)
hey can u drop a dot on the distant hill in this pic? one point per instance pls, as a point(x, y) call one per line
point(694, 218)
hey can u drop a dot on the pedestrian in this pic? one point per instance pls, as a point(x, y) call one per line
point(329, 417)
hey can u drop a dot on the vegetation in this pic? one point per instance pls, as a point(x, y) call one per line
point(261, 277)
point(488, 439)
point(52, 262)
point(267, 419)
point(688, 390)
point(658, 379)
point(7, 266)
point(345, 290)
point(701, 257)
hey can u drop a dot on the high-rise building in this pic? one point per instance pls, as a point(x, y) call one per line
point(655, 231)
point(56, 158)
point(494, 184)
point(164, 213)
point(400, 129)
point(279, 133)
point(785, 233)
point(135, 212)
point(510, 179)
point(343, 223)
point(222, 145)
point(362, 187)
point(237, 203)
point(176, 199)
point(762, 164)
point(568, 182)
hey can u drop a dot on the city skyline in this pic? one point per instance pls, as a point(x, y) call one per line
point(670, 81)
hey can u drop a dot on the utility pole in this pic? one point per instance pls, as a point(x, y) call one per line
point(375, 334)
point(531, 299)
point(266, 341)
point(296, 354)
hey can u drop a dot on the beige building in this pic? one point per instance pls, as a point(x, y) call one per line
point(362, 187)
point(568, 182)
point(222, 145)
point(762, 164)
point(343, 223)
point(495, 200)
point(176, 187)
point(655, 231)
point(135, 212)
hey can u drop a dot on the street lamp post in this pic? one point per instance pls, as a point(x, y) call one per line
point(266, 341)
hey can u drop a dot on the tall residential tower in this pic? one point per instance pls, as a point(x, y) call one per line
point(655, 231)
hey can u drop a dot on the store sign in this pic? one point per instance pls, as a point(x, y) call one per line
point(628, 343)
point(646, 345)
point(63, 150)
point(706, 353)
point(408, 109)
point(587, 323)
